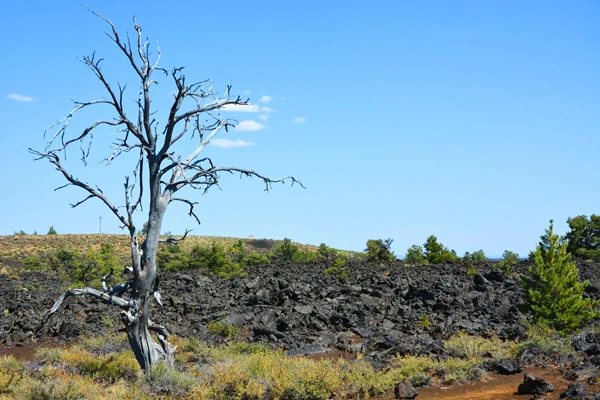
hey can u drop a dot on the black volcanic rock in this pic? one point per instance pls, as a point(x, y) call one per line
point(533, 384)
point(294, 305)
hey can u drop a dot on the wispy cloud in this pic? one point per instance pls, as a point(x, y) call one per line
point(241, 107)
point(20, 97)
point(249, 125)
point(247, 92)
point(299, 120)
point(266, 99)
point(226, 143)
point(267, 110)
point(263, 117)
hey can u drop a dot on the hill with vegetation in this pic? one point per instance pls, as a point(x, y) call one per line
point(20, 245)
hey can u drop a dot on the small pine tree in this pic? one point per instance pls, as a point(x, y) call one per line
point(479, 256)
point(237, 252)
point(415, 255)
point(509, 260)
point(583, 239)
point(326, 253)
point(380, 250)
point(51, 231)
point(555, 295)
point(437, 253)
point(285, 251)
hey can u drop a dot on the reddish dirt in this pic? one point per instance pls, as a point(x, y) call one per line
point(27, 352)
point(497, 387)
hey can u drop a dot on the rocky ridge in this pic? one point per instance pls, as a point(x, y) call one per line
point(380, 310)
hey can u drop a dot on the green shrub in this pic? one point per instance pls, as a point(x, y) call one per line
point(508, 260)
point(110, 367)
point(477, 257)
point(165, 381)
point(337, 269)
point(51, 231)
point(415, 255)
point(424, 321)
point(21, 233)
point(33, 263)
point(436, 253)
point(380, 250)
point(54, 390)
point(107, 257)
point(223, 329)
point(472, 271)
point(464, 345)
point(285, 251)
point(172, 258)
point(554, 293)
point(583, 239)
point(237, 253)
point(84, 268)
point(326, 253)
point(11, 373)
point(546, 339)
point(304, 256)
point(257, 259)
point(220, 264)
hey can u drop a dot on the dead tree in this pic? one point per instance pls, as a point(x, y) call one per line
point(159, 170)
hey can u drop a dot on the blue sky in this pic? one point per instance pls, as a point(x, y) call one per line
point(474, 121)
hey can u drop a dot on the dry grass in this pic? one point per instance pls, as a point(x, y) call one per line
point(466, 346)
point(231, 371)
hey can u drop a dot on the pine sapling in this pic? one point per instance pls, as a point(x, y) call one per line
point(555, 295)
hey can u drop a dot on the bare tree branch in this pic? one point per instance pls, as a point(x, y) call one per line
point(191, 204)
point(212, 172)
point(172, 240)
point(53, 158)
point(117, 301)
point(94, 65)
point(115, 38)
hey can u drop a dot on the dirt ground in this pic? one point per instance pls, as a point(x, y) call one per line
point(498, 387)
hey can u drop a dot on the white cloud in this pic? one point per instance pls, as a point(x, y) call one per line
point(266, 99)
point(226, 143)
point(20, 97)
point(263, 117)
point(241, 107)
point(299, 120)
point(267, 109)
point(283, 98)
point(249, 125)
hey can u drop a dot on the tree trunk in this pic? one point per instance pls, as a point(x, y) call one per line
point(136, 318)
point(146, 350)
